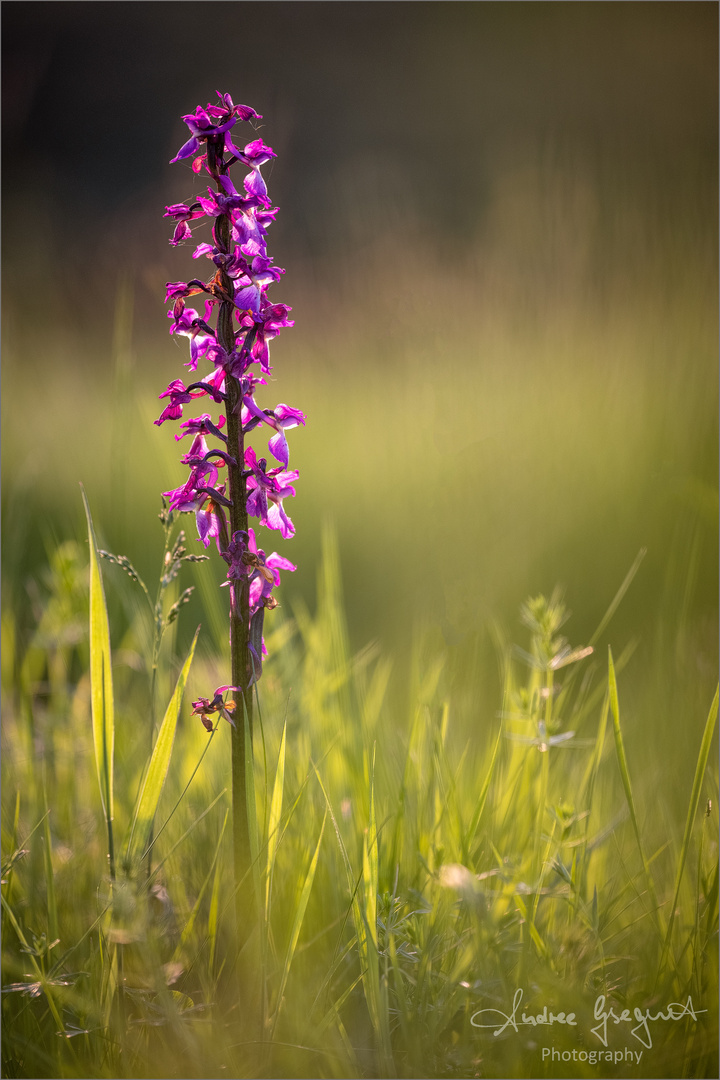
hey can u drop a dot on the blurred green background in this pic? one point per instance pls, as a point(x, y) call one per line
point(499, 225)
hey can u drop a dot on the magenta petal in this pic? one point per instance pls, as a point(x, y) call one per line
point(288, 416)
point(257, 504)
point(256, 589)
point(186, 150)
point(255, 185)
point(253, 408)
point(278, 519)
point(207, 525)
point(182, 232)
point(231, 147)
point(258, 152)
point(227, 184)
point(278, 562)
point(278, 447)
point(248, 299)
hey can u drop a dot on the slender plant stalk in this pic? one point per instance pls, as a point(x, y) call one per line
point(239, 610)
point(237, 290)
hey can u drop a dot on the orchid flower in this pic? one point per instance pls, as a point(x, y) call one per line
point(232, 337)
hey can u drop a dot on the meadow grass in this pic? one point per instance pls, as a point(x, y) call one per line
point(428, 838)
point(408, 871)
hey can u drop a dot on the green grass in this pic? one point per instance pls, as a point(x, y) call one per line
point(409, 870)
point(427, 837)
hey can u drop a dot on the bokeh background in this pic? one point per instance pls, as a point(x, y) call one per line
point(499, 225)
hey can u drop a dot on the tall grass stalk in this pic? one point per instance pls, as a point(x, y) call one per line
point(698, 779)
point(627, 787)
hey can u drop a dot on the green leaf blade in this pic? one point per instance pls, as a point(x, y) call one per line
point(157, 771)
point(700, 767)
point(627, 786)
point(299, 918)
point(274, 821)
point(101, 693)
point(251, 805)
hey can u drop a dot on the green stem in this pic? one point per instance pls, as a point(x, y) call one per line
point(239, 613)
point(157, 640)
point(544, 770)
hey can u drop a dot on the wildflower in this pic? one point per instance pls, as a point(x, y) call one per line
point(182, 213)
point(180, 395)
point(279, 418)
point(204, 708)
point(202, 127)
point(232, 336)
point(266, 491)
point(204, 425)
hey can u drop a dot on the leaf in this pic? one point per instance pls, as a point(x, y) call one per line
point(482, 798)
point(101, 692)
point(190, 924)
point(213, 916)
point(625, 775)
point(251, 804)
point(615, 603)
point(52, 912)
point(274, 821)
point(692, 811)
point(298, 921)
point(149, 795)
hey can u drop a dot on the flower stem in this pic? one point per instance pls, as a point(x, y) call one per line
point(239, 633)
point(239, 612)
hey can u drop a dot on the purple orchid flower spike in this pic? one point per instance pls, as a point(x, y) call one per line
point(232, 339)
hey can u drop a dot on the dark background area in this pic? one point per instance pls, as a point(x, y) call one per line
point(413, 100)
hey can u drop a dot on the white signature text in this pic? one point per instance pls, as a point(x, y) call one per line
point(640, 1018)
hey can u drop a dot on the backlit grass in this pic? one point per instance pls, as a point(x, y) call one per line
point(409, 870)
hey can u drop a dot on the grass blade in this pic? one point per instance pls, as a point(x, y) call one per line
point(190, 924)
point(37, 969)
point(101, 688)
point(370, 863)
point(482, 799)
point(274, 820)
point(375, 988)
point(213, 918)
point(625, 775)
point(298, 921)
point(588, 787)
point(615, 603)
point(7, 873)
point(154, 781)
point(251, 806)
point(692, 810)
point(52, 912)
